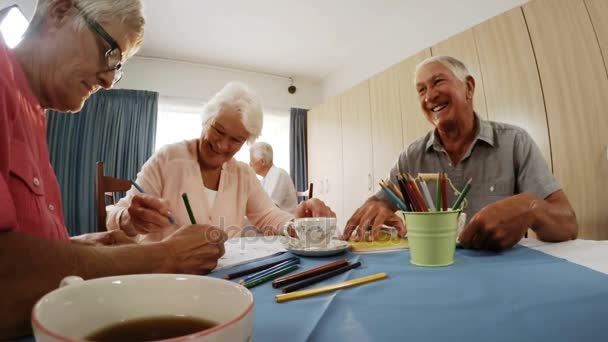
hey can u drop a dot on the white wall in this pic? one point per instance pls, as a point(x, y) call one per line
point(196, 82)
point(27, 6)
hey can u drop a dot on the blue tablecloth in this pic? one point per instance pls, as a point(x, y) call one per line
point(517, 295)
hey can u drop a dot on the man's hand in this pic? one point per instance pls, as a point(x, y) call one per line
point(373, 213)
point(500, 225)
point(194, 249)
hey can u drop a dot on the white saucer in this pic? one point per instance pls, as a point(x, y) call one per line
point(296, 246)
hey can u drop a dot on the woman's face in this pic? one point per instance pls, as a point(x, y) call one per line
point(222, 137)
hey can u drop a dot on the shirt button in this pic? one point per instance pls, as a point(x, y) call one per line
point(36, 181)
point(51, 207)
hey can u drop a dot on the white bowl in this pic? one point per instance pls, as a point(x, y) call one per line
point(75, 311)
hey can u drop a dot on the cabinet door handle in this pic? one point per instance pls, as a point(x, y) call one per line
point(369, 182)
point(326, 185)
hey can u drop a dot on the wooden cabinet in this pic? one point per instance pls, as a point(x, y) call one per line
point(575, 86)
point(598, 11)
point(325, 154)
point(462, 47)
point(511, 83)
point(387, 136)
point(357, 148)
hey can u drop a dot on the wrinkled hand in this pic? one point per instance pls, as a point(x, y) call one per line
point(110, 238)
point(373, 213)
point(146, 214)
point(500, 225)
point(195, 249)
point(313, 207)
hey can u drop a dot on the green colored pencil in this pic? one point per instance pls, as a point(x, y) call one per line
point(462, 195)
point(188, 208)
point(271, 276)
point(438, 193)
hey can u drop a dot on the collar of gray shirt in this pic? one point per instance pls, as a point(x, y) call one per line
point(485, 133)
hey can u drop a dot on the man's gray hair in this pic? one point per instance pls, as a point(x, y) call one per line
point(262, 151)
point(124, 12)
point(239, 96)
point(454, 65)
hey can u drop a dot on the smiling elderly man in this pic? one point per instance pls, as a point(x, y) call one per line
point(513, 188)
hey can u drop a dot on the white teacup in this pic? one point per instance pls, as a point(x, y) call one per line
point(313, 231)
point(81, 308)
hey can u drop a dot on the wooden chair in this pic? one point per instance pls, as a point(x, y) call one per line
point(306, 194)
point(106, 187)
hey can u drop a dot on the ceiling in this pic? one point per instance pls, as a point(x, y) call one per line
point(309, 39)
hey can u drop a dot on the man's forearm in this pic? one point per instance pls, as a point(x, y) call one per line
point(31, 267)
point(554, 219)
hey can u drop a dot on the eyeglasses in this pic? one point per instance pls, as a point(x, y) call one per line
point(113, 55)
point(233, 142)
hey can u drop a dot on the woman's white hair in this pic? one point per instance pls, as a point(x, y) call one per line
point(455, 66)
point(262, 151)
point(239, 96)
point(124, 12)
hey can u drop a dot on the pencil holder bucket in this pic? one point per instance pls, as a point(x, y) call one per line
point(432, 237)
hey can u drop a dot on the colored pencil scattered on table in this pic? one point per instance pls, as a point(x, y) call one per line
point(294, 278)
point(279, 272)
point(270, 270)
point(255, 269)
point(318, 278)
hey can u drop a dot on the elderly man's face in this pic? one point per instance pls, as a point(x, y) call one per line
point(256, 164)
point(444, 98)
point(76, 66)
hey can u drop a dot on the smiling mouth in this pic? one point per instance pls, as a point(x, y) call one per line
point(438, 108)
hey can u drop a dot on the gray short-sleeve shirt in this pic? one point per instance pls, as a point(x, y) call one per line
point(502, 161)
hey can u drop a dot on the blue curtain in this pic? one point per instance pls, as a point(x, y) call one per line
point(298, 155)
point(117, 127)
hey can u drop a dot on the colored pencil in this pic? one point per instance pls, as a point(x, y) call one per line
point(271, 276)
point(328, 288)
point(419, 198)
point(319, 278)
point(270, 270)
point(406, 197)
point(255, 269)
point(462, 195)
point(427, 194)
point(444, 191)
point(438, 193)
point(188, 208)
point(410, 192)
point(294, 278)
point(393, 197)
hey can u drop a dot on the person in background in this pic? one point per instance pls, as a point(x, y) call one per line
point(276, 181)
point(71, 50)
point(513, 188)
point(222, 191)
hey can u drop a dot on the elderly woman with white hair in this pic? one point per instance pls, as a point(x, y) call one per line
point(221, 190)
point(71, 49)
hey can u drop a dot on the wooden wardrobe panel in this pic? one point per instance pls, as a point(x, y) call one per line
point(598, 10)
point(575, 87)
point(386, 122)
point(357, 157)
point(462, 47)
point(415, 124)
point(332, 152)
point(511, 82)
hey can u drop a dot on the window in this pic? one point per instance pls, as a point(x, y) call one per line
point(12, 25)
point(182, 122)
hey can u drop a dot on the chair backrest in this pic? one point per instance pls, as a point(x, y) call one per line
point(106, 187)
point(307, 194)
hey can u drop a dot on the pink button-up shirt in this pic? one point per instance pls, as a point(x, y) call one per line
point(30, 200)
point(174, 170)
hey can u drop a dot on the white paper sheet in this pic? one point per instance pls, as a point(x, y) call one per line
point(243, 250)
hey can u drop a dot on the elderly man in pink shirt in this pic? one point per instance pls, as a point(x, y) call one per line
point(72, 49)
point(221, 190)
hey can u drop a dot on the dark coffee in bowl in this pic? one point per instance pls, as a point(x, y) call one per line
point(151, 329)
